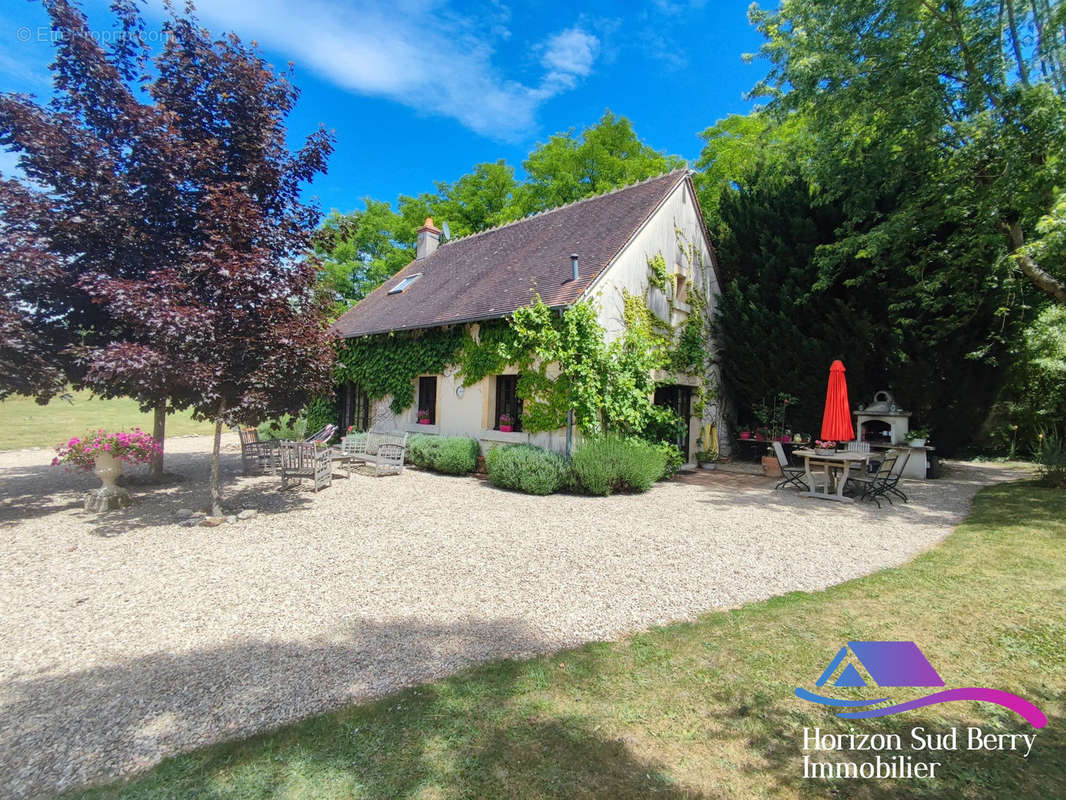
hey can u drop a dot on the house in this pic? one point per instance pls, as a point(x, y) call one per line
point(645, 240)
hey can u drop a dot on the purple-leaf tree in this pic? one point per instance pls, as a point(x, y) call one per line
point(167, 223)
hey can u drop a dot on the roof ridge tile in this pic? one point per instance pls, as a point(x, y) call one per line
point(553, 209)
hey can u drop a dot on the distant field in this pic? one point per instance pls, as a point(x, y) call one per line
point(23, 423)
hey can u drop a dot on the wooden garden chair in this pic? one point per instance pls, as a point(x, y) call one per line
point(301, 460)
point(258, 456)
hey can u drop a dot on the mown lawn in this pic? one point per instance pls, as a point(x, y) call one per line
point(705, 709)
point(24, 423)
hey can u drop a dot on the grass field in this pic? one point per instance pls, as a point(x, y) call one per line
point(24, 423)
point(705, 709)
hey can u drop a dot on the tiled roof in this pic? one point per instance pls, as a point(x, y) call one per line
point(490, 274)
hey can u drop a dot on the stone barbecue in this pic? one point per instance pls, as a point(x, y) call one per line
point(883, 421)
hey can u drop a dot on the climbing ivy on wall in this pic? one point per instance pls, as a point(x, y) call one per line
point(387, 364)
point(657, 274)
point(488, 354)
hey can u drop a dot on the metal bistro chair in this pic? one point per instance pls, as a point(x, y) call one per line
point(877, 485)
point(896, 478)
point(792, 476)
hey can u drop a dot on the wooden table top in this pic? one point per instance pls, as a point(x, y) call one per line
point(838, 455)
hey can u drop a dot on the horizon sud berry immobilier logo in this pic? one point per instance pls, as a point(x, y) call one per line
point(899, 664)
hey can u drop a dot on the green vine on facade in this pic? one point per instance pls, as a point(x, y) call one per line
point(657, 272)
point(387, 364)
point(488, 354)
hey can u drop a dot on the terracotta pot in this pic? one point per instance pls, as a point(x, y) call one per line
point(506, 428)
point(771, 467)
point(107, 468)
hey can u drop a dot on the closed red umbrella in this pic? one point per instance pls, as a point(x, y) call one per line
point(836, 420)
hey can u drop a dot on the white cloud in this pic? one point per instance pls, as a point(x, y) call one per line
point(675, 8)
point(416, 52)
point(571, 52)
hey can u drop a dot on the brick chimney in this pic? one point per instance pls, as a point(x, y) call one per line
point(428, 240)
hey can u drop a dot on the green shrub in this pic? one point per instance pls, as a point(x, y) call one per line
point(289, 428)
point(452, 455)
point(527, 468)
point(672, 459)
point(421, 450)
point(605, 464)
point(320, 412)
point(456, 456)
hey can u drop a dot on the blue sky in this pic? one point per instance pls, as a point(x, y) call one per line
point(419, 91)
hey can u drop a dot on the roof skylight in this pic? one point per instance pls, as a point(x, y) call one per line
point(402, 285)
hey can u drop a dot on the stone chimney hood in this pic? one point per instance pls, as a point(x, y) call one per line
point(428, 240)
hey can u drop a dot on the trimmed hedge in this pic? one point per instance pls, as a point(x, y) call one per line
point(526, 468)
point(452, 455)
point(606, 464)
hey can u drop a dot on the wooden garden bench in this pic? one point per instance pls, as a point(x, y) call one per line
point(385, 450)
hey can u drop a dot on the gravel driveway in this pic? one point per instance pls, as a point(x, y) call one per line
point(126, 638)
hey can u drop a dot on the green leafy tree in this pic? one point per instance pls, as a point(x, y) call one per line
point(360, 250)
point(952, 110)
point(606, 155)
point(479, 200)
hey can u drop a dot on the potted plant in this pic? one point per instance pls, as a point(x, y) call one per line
point(506, 423)
point(745, 433)
point(917, 437)
point(707, 458)
point(761, 434)
point(771, 467)
point(824, 446)
point(423, 416)
point(104, 454)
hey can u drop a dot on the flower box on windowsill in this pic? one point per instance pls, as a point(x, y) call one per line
point(506, 428)
point(424, 422)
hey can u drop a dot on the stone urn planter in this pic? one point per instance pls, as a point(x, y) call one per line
point(104, 455)
point(109, 496)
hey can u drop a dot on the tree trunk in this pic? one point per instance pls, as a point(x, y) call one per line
point(159, 429)
point(1043, 280)
point(1016, 43)
point(216, 486)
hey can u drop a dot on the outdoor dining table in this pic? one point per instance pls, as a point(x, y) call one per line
point(830, 463)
